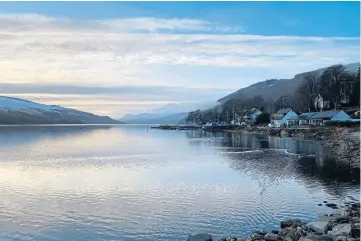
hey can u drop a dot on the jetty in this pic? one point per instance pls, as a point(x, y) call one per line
point(177, 127)
point(219, 126)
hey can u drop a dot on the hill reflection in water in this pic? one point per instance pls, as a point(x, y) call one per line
point(277, 159)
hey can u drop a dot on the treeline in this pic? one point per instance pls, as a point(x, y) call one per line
point(337, 86)
point(195, 117)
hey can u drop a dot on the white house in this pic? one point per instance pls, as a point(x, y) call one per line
point(302, 119)
point(249, 116)
point(320, 118)
point(280, 118)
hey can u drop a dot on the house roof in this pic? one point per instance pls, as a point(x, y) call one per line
point(295, 118)
point(277, 116)
point(308, 114)
point(280, 114)
point(324, 114)
point(248, 113)
point(283, 111)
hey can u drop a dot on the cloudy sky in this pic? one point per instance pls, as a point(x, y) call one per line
point(113, 58)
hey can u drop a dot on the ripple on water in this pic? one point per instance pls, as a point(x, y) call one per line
point(129, 184)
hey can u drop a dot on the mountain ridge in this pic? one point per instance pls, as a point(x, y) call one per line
point(21, 111)
point(275, 88)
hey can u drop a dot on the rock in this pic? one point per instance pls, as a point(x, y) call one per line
point(228, 239)
point(341, 238)
point(355, 230)
point(327, 238)
point(285, 238)
point(354, 213)
point(301, 231)
point(284, 231)
point(331, 205)
point(275, 231)
point(294, 235)
point(311, 237)
point(290, 222)
point(271, 237)
point(200, 237)
point(341, 219)
point(355, 219)
point(320, 204)
point(258, 235)
point(318, 226)
point(341, 229)
point(355, 205)
point(284, 133)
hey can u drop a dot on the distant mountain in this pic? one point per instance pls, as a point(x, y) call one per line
point(275, 88)
point(168, 114)
point(19, 111)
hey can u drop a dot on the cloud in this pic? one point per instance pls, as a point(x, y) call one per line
point(110, 55)
point(35, 22)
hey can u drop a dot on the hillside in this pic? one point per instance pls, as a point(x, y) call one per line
point(275, 88)
point(19, 111)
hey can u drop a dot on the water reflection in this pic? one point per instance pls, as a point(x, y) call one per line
point(271, 160)
point(12, 136)
point(136, 183)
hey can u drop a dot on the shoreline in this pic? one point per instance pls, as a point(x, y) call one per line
point(341, 225)
point(344, 142)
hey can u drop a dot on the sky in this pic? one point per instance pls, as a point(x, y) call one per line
point(115, 58)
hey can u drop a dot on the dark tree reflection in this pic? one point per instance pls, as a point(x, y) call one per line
point(275, 159)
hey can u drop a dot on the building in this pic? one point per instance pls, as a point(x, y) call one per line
point(280, 118)
point(250, 116)
point(302, 119)
point(320, 118)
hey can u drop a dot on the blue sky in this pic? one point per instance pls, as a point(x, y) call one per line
point(137, 48)
point(266, 18)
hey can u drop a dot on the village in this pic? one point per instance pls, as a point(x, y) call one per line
point(286, 117)
point(282, 118)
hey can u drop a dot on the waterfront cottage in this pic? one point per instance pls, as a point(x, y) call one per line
point(320, 118)
point(302, 119)
point(293, 121)
point(249, 116)
point(280, 118)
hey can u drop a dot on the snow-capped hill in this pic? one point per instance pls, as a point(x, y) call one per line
point(20, 104)
point(19, 111)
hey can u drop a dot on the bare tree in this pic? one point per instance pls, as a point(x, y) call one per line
point(331, 84)
point(285, 101)
point(308, 90)
point(355, 96)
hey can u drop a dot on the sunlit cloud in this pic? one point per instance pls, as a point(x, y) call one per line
point(110, 54)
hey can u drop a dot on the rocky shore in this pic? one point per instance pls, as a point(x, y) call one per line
point(342, 225)
point(343, 142)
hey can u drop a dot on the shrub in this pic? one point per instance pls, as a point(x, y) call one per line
point(263, 118)
point(343, 123)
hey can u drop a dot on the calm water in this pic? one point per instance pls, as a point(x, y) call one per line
point(134, 183)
